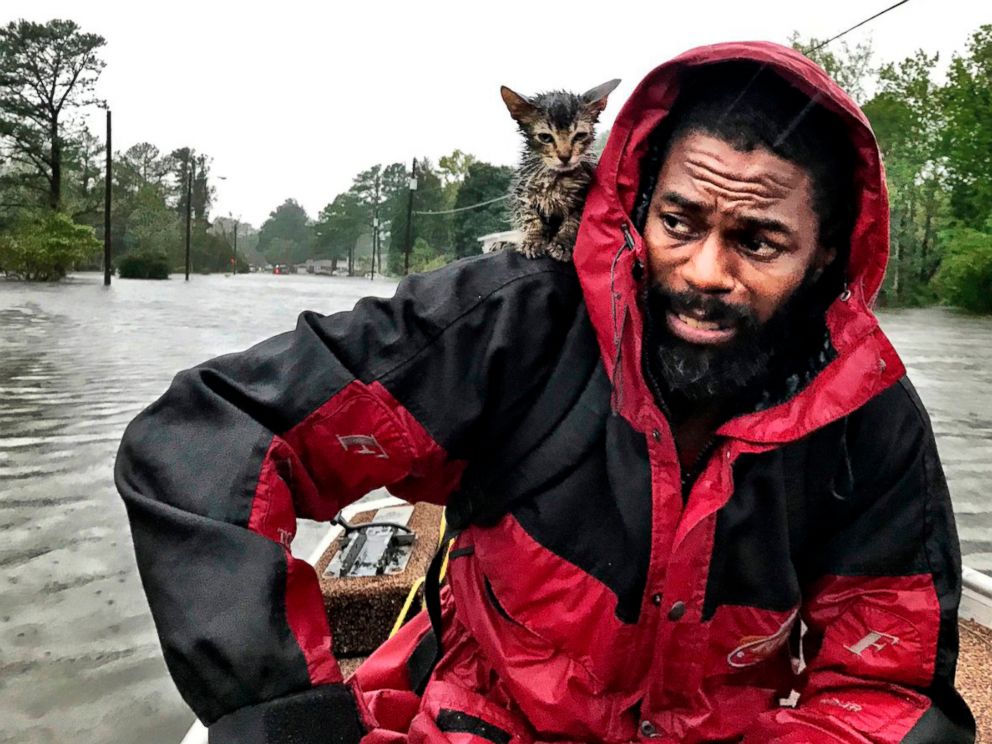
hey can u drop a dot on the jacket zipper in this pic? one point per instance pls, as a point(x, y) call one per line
point(688, 475)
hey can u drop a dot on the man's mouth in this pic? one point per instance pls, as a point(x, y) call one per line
point(697, 330)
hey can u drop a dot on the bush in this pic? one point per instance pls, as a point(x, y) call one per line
point(423, 258)
point(45, 247)
point(144, 265)
point(965, 275)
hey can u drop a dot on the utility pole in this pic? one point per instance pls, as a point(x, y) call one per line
point(375, 223)
point(236, 223)
point(106, 210)
point(189, 208)
point(409, 219)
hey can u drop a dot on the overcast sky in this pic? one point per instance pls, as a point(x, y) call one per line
point(291, 99)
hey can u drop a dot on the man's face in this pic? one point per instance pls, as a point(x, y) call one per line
point(731, 236)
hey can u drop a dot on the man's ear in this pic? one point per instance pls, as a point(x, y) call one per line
point(519, 107)
point(595, 98)
point(825, 257)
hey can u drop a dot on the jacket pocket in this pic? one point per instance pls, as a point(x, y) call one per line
point(450, 714)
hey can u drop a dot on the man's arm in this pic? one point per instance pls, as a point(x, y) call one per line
point(397, 392)
point(882, 637)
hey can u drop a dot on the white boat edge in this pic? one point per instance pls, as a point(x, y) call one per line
point(976, 593)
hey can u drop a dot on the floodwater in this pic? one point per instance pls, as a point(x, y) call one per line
point(79, 658)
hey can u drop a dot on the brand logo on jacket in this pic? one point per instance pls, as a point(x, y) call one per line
point(755, 649)
point(874, 640)
point(846, 705)
point(363, 444)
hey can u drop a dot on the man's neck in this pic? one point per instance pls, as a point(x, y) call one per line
point(694, 425)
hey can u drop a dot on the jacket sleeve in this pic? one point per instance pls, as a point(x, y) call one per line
point(881, 612)
point(398, 392)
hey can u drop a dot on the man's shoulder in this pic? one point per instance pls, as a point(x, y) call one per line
point(898, 408)
point(471, 280)
point(891, 427)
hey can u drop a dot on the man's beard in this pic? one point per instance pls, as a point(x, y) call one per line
point(737, 372)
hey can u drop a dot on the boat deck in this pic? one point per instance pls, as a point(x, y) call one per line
point(974, 679)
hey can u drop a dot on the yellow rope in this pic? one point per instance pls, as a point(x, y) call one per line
point(402, 617)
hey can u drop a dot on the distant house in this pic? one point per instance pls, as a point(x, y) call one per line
point(499, 240)
point(320, 266)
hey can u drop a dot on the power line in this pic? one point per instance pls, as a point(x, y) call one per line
point(470, 206)
point(852, 28)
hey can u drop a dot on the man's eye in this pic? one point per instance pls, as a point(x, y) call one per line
point(676, 225)
point(760, 248)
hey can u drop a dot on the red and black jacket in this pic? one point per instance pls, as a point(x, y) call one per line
point(601, 605)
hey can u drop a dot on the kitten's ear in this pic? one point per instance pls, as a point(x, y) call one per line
point(519, 107)
point(595, 98)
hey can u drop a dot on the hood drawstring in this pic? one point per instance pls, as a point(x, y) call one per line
point(620, 324)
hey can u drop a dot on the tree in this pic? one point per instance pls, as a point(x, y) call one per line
point(483, 182)
point(967, 140)
point(46, 71)
point(850, 67)
point(286, 236)
point(146, 162)
point(453, 169)
point(45, 246)
point(152, 226)
point(908, 125)
point(338, 228)
point(965, 275)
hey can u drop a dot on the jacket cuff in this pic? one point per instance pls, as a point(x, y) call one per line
point(324, 715)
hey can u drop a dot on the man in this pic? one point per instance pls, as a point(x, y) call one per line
point(667, 460)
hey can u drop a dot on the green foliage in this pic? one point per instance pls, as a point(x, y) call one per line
point(287, 237)
point(144, 264)
point(965, 275)
point(908, 126)
point(151, 225)
point(483, 182)
point(435, 229)
point(46, 69)
point(967, 135)
point(849, 66)
point(424, 258)
point(45, 246)
point(338, 227)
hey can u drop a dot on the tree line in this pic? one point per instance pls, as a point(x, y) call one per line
point(934, 128)
point(370, 218)
point(52, 169)
point(935, 133)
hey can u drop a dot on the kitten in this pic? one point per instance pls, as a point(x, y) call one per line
point(549, 188)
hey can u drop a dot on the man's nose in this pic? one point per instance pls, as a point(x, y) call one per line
point(707, 269)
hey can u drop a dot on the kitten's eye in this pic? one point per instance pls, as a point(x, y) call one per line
point(545, 138)
point(580, 137)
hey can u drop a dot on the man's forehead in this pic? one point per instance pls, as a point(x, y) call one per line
point(708, 171)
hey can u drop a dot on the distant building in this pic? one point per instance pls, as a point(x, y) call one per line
point(320, 266)
point(499, 240)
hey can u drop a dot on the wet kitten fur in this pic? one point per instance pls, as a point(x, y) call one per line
point(549, 188)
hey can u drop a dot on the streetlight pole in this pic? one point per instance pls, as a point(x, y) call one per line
point(189, 208)
point(106, 210)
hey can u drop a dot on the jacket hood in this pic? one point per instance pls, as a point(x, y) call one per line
point(610, 255)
